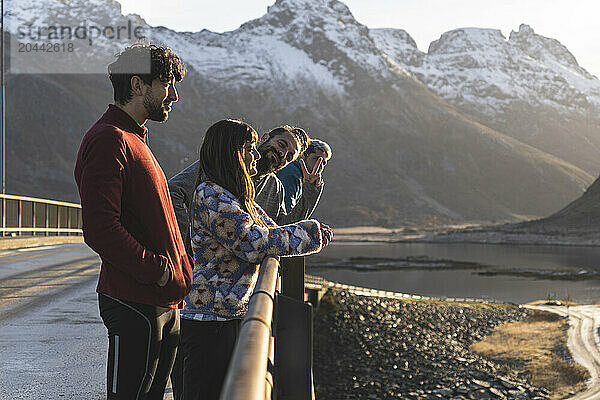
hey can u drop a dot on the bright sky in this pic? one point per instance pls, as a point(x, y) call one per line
point(573, 22)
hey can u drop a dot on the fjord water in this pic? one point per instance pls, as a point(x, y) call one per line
point(468, 281)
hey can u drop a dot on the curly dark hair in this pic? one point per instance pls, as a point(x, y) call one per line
point(147, 61)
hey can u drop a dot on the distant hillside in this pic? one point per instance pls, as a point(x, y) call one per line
point(582, 216)
point(576, 224)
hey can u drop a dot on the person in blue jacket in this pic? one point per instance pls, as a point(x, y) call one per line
point(307, 169)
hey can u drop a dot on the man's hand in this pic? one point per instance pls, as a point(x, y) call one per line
point(326, 234)
point(313, 177)
point(165, 277)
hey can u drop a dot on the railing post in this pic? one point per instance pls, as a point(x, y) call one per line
point(293, 349)
point(293, 334)
point(79, 220)
point(57, 220)
point(68, 220)
point(33, 204)
point(3, 216)
point(19, 216)
point(292, 277)
point(46, 217)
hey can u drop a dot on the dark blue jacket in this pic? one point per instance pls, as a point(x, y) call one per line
point(291, 177)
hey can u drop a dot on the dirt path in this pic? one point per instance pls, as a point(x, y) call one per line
point(583, 343)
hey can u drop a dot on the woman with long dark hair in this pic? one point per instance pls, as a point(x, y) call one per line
point(231, 235)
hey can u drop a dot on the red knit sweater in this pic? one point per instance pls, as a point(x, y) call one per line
point(128, 216)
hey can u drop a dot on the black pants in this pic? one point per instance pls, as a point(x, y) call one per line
point(177, 375)
point(207, 347)
point(142, 343)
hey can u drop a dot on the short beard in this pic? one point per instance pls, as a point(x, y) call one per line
point(155, 109)
point(264, 165)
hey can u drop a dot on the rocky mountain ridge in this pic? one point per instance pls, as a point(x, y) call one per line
point(402, 153)
point(529, 86)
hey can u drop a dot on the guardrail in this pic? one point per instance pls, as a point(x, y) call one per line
point(272, 358)
point(317, 283)
point(268, 361)
point(31, 216)
point(247, 376)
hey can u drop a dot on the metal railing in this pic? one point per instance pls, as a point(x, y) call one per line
point(31, 216)
point(272, 358)
point(247, 376)
point(260, 367)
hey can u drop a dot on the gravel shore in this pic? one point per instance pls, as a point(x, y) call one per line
point(376, 348)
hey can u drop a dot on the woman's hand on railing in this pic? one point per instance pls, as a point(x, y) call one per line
point(326, 234)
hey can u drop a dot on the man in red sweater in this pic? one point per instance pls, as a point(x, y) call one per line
point(128, 220)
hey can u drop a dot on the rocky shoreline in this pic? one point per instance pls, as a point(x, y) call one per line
point(513, 236)
point(376, 348)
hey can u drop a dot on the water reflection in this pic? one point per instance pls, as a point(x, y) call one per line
point(466, 270)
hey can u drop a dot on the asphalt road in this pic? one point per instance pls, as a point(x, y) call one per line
point(52, 341)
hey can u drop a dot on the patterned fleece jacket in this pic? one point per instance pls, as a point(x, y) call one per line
point(228, 248)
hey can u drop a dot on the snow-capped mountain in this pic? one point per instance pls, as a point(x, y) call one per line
point(529, 86)
point(402, 153)
point(297, 40)
point(473, 65)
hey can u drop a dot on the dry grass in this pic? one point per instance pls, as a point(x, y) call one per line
point(531, 348)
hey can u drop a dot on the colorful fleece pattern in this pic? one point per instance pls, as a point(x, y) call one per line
point(228, 248)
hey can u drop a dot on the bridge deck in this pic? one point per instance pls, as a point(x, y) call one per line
point(52, 341)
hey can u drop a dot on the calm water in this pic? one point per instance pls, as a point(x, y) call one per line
point(467, 282)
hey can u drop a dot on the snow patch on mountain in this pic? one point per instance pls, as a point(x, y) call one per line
point(317, 41)
point(481, 69)
point(243, 60)
point(398, 44)
point(325, 29)
point(87, 33)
